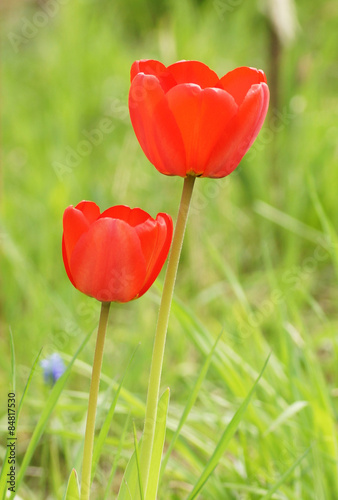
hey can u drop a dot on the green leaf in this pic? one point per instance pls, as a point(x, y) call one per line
point(129, 480)
point(225, 438)
point(129, 489)
point(73, 490)
point(157, 452)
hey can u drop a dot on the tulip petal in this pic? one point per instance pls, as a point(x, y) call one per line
point(254, 107)
point(156, 68)
point(154, 125)
point(194, 72)
point(240, 134)
point(155, 238)
point(147, 233)
point(89, 209)
point(75, 224)
point(107, 263)
point(202, 116)
point(239, 81)
point(76, 221)
point(133, 216)
point(65, 261)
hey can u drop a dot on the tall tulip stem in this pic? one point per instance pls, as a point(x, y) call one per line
point(92, 403)
point(161, 332)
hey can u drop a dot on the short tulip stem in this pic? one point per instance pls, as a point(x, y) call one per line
point(92, 403)
point(161, 332)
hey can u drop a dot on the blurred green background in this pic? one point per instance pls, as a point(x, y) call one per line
point(260, 259)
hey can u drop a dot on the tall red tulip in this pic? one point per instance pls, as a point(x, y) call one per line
point(189, 121)
point(117, 255)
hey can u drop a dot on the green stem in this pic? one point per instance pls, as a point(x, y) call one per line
point(161, 332)
point(92, 403)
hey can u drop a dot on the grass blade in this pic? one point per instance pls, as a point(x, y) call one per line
point(116, 459)
point(190, 403)
point(291, 410)
point(4, 470)
point(50, 405)
point(129, 485)
point(284, 476)
point(138, 463)
point(28, 383)
point(107, 422)
point(157, 452)
point(328, 228)
point(225, 438)
point(12, 359)
point(288, 222)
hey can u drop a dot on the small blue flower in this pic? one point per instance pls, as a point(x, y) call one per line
point(53, 367)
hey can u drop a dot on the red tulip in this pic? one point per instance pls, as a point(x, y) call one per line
point(190, 122)
point(117, 255)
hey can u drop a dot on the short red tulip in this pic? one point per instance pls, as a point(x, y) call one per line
point(117, 255)
point(190, 122)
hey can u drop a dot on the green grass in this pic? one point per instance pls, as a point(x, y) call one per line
point(259, 260)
